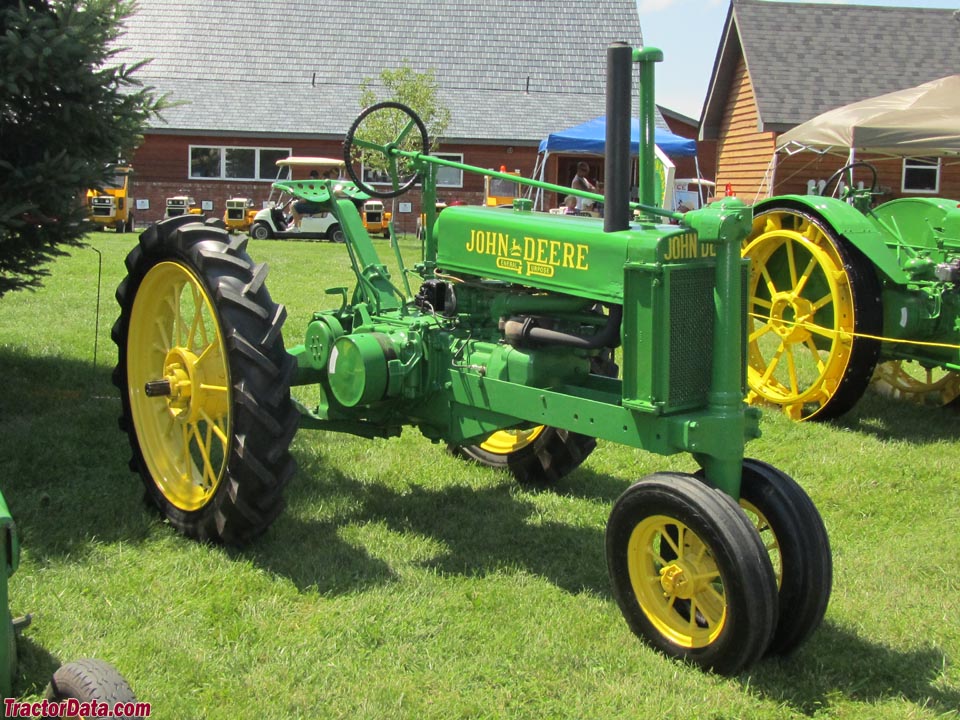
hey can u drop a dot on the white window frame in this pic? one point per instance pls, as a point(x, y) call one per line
point(258, 170)
point(927, 164)
point(455, 157)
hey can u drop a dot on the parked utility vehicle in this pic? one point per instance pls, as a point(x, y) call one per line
point(239, 214)
point(111, 206)
point(181, 205)
point(276, 220)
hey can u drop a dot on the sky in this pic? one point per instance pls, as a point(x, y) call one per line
point(688, 32)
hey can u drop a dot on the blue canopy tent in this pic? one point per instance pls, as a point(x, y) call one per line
point(590, 138)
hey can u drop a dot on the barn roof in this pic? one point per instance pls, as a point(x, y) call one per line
point(807, 58)
point(508, 71)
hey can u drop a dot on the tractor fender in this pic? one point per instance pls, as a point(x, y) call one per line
point(920, 221)
point(845, 220)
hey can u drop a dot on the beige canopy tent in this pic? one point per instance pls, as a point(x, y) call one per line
point(918, 121)
point(922, 120)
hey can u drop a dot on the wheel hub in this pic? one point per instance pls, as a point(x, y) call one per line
point(677, 580)
point(184, 386)
point(789, 316)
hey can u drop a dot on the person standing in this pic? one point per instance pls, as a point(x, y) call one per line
point(582, 182)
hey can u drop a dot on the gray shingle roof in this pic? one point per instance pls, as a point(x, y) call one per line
point(806, 58)
point(292, 67)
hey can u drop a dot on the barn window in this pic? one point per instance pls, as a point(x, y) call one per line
point(921, 175)
point(448, 176)
point(234, 163)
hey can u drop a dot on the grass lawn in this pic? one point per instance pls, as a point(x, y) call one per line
point(401, 582)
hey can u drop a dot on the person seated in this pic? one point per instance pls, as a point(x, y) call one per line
point(304, 207)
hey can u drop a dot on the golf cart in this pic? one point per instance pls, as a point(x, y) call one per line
point(276, 220)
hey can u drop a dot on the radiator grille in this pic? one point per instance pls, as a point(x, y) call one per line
point(691, 335)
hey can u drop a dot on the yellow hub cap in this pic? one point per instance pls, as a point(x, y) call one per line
point(505, 442)
point(676, 582)
point(801, 317)
point(178, 383)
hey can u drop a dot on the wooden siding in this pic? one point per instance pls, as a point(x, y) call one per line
point(743, 153)
point(793, 173)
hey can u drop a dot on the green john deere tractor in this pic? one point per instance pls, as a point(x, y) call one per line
point(504, 353)
point(842, 293)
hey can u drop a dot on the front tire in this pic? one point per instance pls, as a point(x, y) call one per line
point(796, 540)
point(260, 231)
point(205, 381)
point(335, 234)
point(89, 680)
point(690, 574)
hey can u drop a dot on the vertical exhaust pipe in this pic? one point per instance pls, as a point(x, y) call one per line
point(616, 176)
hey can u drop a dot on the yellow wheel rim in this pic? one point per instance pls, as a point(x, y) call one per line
point(910, 381)
point(801, 316)
point(676, 582)
point(176, 344)
point(767, 537)
point(505, 442)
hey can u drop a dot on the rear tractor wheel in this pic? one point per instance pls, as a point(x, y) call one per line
point(205, 381)
point(910, 381)
point(813, 316)
point(540, 455)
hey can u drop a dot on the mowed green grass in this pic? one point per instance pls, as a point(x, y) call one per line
point(401, 582)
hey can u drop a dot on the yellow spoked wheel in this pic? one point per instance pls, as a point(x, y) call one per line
point(676, 581)
point(510, 441)
point(812, 301)
point(690, 573)
point(795, 539)
point(179, 382)
point(538, 455)
point(205, 381)
point(910, 381)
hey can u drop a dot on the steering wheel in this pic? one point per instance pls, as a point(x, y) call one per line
point(401, 170)
point(860, 163)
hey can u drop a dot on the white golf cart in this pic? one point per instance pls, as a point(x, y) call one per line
point(276, 221)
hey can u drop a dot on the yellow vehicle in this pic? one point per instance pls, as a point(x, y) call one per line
point(239, 214)
point(111, 206)
point(181, 205)
point(498, 192)
point(375, 218)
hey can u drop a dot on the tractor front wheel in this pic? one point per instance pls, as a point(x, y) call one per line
point(793, 533)
point(690, 573)
point(205, 381)
point(813, 316)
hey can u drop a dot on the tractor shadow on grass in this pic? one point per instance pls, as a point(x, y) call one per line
point(65, 474)
point(837, 666)
point(468, 531)
point(891, 419)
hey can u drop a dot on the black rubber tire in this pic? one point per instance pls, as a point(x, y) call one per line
point(87, 680)
point(867, 315)
point(748, 583)
point(553, 454)
point(260, 231)
point(335, 233)
point(806, 564)
point(256, 462)
point(794, 533)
